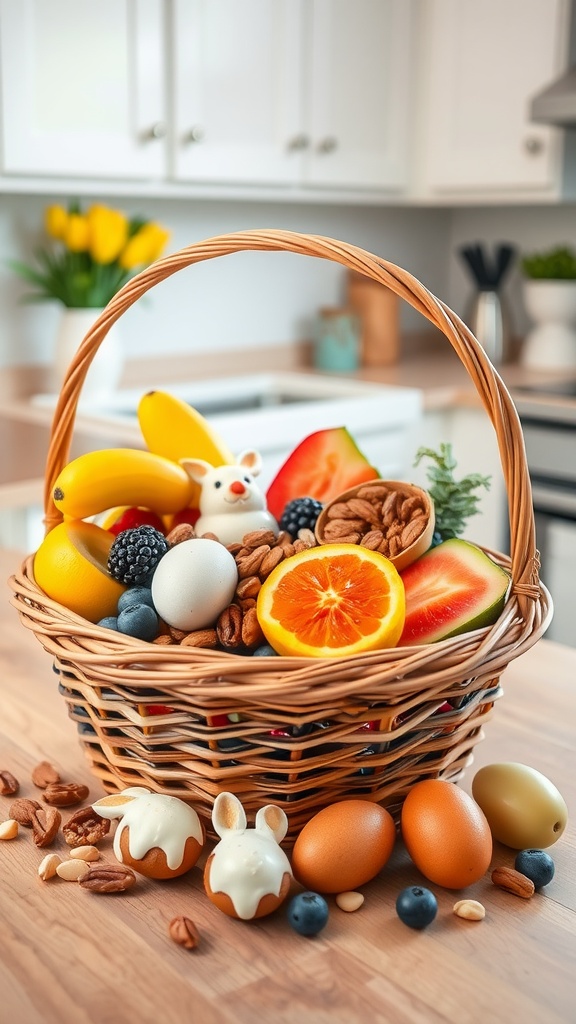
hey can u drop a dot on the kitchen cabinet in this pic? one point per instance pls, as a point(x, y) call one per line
point(295, 93)
point(482, 64)
point(82, 88)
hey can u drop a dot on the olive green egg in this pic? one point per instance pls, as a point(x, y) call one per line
point(524, 809)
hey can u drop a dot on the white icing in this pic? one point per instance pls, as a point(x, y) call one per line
point(155, 820)
point(246, 866)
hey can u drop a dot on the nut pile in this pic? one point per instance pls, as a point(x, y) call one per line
point(256, 556)
point(382, 518)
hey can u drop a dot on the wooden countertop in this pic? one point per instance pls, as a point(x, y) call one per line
point(70, 957)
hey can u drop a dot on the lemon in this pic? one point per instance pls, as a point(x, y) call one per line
point(331, 601)
point(70, 566)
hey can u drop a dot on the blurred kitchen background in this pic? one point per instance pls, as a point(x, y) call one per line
point(407, 127)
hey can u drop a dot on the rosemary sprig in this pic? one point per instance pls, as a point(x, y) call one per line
point(454, 501)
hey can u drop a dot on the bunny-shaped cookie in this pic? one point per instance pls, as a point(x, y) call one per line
point(247, 875)
point(231, 503)
point(159, 836)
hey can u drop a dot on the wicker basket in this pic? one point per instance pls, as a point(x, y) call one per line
point(304, 732)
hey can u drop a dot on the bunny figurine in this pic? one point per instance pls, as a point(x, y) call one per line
point(231, 503)
point(247, 875)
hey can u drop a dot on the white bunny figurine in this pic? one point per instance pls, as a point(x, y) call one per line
point(231, 503)
point(247, 875)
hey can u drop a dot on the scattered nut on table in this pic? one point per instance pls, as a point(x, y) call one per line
point(513, 881)
point(349, 901)
point(72, 870)
point(9, 829)
point(470, 910)
point(47, 866)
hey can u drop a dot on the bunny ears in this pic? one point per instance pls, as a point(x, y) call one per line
point(228, 816)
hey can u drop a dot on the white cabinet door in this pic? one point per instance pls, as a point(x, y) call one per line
point(357, 93)
point(484, 63)
point(82, 88)
point(236, 91)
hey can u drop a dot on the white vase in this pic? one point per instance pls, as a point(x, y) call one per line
point(551, 341)
point(105, 370)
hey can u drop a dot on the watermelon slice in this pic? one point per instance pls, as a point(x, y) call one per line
point(323, 465)
point(455, 587)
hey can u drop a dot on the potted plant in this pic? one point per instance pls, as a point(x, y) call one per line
point(550, 301)
point(90, 255)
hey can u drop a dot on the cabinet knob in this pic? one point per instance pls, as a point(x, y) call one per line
point(327, 145)
point(194, 134)
point(155, 131)
point(298, 142)
point(533, 145)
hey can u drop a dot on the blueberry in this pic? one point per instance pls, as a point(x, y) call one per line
point(109, 622)
point(416, 906)
point(536, 865)
point(307, 913)
point(264, 651)
point(139, 620)
point(135, 595)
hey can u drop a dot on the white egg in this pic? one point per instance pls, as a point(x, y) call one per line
point(194, 581)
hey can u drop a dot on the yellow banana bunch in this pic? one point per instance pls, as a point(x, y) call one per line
point(174, 429)
point(100, 480)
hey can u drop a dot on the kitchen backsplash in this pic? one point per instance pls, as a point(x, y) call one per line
point(258, 299)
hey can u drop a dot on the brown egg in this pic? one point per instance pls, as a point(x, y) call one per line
point(343, 846)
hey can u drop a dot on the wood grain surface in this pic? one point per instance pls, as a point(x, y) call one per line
point(73, 957)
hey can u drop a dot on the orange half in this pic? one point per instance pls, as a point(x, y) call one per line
point(332, 601)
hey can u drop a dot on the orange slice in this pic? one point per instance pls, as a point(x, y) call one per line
point(331, 601)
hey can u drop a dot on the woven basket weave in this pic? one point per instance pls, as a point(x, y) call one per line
point(304, 732)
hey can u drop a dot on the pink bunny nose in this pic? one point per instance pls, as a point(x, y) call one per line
point(237, 487)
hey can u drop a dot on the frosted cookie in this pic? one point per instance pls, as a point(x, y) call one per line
point(247, 875)
point(158, 836)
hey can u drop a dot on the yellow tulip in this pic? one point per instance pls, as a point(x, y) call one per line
point(144, 247)
point(55, 221)
point(108, 233)
point(76, 233)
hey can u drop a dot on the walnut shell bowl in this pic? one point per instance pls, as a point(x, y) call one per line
point(390, 516)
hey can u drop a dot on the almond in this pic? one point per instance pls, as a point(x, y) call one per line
point(349, 901)
point(86, 853)
point(513, 881)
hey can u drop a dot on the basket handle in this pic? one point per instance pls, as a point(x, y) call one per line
point(489, 385)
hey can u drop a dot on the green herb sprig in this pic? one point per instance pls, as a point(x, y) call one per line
point(454, 501)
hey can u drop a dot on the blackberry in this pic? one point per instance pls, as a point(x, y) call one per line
point(300, 514)
point(135, 554)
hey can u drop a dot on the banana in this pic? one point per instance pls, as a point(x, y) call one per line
point(100, 480)
point(174, 429)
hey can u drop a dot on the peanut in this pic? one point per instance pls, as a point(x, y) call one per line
point(47, 866)
point(72, 870)
point(349, 901)
point(470, 910)
point(9, 829)
point(86, 853)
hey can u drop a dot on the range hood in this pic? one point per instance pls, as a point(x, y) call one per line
point(556, 104)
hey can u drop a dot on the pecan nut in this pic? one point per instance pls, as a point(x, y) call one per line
point(85, 828)
point(108, 878)
point(184, 932)
point(9, 784)
point(65, 794)
point(513, 881)
point(44, 774)
point(23, 811)
point(229, 627)
point(45, 825)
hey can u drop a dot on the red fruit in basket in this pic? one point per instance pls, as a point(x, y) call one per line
point(134, 516)
point(323, 465)
point(453, 588)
